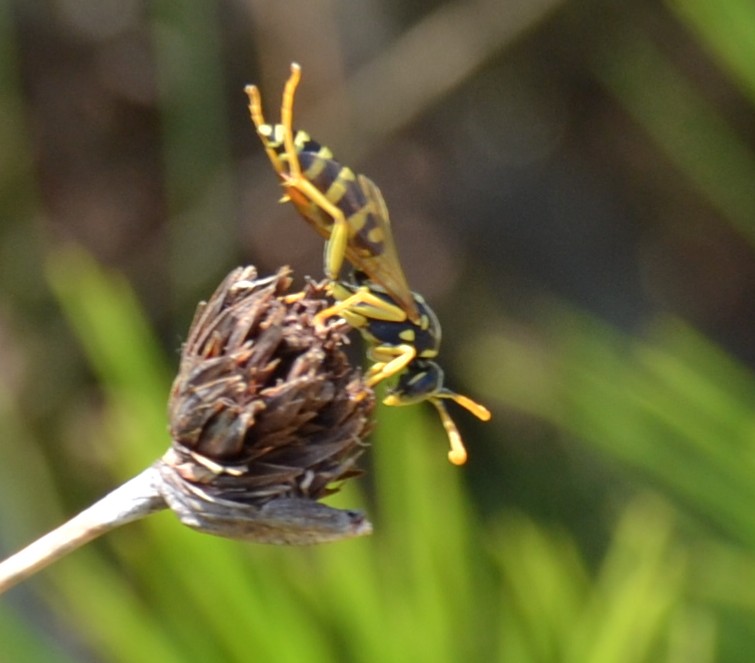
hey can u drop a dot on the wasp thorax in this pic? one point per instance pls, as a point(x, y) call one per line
point(266, 415)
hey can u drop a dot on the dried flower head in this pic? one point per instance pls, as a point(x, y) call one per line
point(266, 415)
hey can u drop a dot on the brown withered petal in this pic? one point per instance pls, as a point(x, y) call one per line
point(266, 416)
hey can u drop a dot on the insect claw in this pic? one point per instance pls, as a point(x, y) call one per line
point(292, 299)
point(320, 319)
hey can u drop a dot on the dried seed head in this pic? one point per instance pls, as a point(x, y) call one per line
point(266, 414)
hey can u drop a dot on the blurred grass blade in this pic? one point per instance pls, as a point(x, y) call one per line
point(121, 348)
point(20, 645)
point(545, 587)
point(693, 135)
point(111, 614)
point(419, 495)
point(618, 404)
point(195, 141)
point(639, 586)
point(670, 407)
point(728, 29)
point(554, 611)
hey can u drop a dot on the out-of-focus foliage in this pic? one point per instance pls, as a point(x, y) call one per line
point(571, 187)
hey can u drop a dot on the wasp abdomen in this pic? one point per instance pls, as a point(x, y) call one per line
point(338, 183)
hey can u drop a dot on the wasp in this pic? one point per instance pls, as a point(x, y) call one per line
point(345, 208)
point(399, 347)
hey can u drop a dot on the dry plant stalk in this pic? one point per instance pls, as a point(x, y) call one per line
point(266, 417)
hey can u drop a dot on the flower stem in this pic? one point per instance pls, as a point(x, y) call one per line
point(135, 499)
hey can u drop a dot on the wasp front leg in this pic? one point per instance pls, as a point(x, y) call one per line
point(358, 307)
point(389, 360)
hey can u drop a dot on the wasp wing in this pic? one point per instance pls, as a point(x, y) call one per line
point(374, 252)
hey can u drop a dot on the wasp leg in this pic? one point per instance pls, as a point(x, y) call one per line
point(293, 298)
point(255, 106)
point(362, 304)
point(264, 130)
point(399, 357)
point(339, 237)
point(287, 119)
point(335, 250)
point(289, 168)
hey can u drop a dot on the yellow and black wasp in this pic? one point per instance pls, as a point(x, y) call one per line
point(399, 347)
point(345, 208)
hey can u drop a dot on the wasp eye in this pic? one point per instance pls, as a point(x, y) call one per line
point(420, 381)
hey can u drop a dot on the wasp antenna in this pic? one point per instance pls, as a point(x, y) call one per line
point(458, 454)
point(287, 120)
point(479, 411)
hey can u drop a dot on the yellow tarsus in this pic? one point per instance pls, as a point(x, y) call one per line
point(330, 312)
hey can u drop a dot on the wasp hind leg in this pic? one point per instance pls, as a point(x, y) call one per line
point(264, 130)
point(335, 250)
point(287, 121)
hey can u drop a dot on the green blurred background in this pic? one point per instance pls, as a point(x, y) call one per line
point(572, 186)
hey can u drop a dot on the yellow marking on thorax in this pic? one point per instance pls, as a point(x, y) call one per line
point(407, 335)
point(268, 132)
